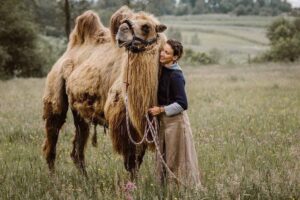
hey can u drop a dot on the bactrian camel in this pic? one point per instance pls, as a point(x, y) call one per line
point(98, 69)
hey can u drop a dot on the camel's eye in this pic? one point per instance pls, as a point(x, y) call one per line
point(124, 28)
point(146, 29)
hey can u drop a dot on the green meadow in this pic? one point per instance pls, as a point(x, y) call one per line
point(246, 127)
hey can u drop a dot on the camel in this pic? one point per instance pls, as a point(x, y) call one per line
point(87, 33)
point(124, 66)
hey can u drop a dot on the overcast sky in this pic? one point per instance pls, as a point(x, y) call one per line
point(295, 3)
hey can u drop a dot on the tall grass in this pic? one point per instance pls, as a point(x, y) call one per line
point(246, 126)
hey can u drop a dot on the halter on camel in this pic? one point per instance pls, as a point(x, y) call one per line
point(131, 47)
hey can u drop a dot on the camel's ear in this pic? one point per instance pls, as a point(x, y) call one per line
point(116, 19)
point(160, 28)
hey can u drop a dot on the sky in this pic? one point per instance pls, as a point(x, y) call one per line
point(295, 3)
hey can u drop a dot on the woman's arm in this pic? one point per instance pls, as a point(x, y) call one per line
point(177, 90)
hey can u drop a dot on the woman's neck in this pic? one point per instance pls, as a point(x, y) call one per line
point(169, 65)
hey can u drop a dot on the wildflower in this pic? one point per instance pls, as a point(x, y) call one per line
point(128, 188)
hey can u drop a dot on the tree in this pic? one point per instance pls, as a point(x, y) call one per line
point(200, 7)
point(68, 18)
point(17, 42)
point(226, 6)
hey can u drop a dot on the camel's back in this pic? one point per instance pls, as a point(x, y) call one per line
point(100, 70)
point(95, 76)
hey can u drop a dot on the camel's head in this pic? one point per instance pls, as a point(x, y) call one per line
point(139, 32)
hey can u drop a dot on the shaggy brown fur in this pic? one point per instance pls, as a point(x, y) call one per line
point(96, 86)
point(88, 33)
point(83, 40)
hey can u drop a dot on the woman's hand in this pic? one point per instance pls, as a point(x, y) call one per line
point(155, 110)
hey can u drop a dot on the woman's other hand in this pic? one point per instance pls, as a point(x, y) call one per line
point(155, 110)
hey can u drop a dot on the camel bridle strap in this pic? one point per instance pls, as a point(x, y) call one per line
point(145, 43)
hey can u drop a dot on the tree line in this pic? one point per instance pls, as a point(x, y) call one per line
point(28, 28)
point(51, 15)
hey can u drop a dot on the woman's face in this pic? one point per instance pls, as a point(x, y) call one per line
point(167, 55)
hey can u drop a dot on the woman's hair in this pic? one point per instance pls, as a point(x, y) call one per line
point(177, 47)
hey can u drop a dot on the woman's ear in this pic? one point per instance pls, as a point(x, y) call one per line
point(175, 58)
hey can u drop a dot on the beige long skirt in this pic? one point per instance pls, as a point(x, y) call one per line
point(178, 150)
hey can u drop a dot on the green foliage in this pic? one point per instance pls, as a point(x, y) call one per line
point(51, 48)
point(49, 17)
point(226, 6)
point(285, 41)
point(192, 57)
point(242, 7)
point(215, 55)
point(197, 58)
point(240, 10)
point(280, 28)
point(18, 38)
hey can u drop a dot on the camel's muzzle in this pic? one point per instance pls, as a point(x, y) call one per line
point(137, 44)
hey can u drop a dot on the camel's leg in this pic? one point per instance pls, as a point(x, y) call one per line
point(134, 158)
point(54, 122)
point(79, 142)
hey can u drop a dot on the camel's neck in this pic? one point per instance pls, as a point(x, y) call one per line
point(142, 74)
point(141, 70)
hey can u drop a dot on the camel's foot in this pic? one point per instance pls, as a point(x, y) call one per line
point(80, 164)
point(134, 175)
point(50, 157)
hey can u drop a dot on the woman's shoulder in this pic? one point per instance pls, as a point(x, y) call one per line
point(177, 76)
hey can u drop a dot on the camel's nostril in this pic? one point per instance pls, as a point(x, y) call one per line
point(136, 43)
point(120, 42)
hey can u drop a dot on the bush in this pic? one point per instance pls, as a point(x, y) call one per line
point(215, 55)
point(286, 49)
point(284, 37)
point(195, 58)
point(280, 28)
point(240, 10)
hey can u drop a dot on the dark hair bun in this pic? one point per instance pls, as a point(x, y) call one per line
point(177, 47)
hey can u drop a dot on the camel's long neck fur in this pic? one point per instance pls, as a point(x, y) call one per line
point(142, 76)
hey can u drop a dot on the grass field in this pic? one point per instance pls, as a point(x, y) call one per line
point(246, 126)
point(238, 38)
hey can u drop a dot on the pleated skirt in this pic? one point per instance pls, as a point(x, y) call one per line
point(178, 151)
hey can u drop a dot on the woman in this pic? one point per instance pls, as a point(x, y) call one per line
point(175, 136)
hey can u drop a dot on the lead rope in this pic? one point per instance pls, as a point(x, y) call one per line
point(154, 133)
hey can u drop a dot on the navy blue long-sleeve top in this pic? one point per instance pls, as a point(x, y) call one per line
point(171, 87)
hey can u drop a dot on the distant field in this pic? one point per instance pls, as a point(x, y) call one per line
point(246, 126)
point(238, 38)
